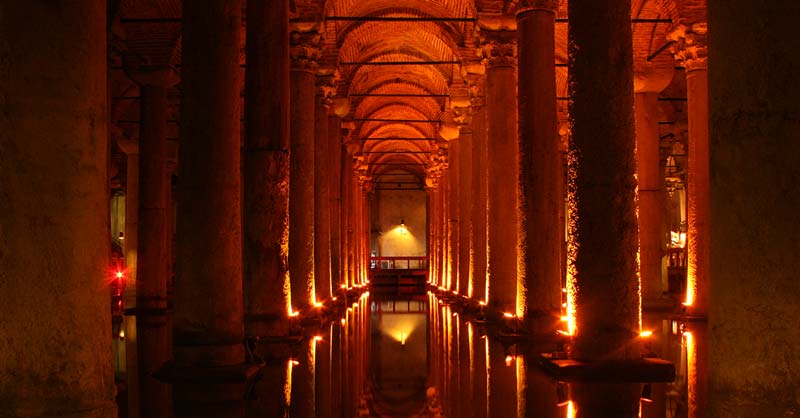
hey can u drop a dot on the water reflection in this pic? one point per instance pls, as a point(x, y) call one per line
point(425, 358)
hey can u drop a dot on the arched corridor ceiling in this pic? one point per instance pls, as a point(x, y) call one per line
point(401, 64)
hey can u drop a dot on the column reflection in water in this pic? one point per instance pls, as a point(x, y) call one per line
point(424, 357)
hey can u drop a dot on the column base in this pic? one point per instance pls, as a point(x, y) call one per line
point(642, 370)
point(31, 408)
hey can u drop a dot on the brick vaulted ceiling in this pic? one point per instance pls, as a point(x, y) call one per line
point(363, 43)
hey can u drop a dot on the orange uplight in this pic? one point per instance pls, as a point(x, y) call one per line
point(294, 362)
point(121, 334)
point(318, 338)
point(691, 284)
point(482, 303)
point(343, 286)
point(509, 360)
point(317, 304)
point(645, 334)
point(508, 315)
point(293, 313)
point(564, 318)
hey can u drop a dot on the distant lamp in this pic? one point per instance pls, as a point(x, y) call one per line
point(403, 229)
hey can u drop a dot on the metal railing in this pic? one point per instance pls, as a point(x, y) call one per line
point(399, 263)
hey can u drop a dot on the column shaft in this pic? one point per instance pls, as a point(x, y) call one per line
point(465, 214)
point(755, 166)
point(503, 169)
point(453, 213)
point(154, 348)
point(651, 209)
point(266, 169)
point(301, 203)
point(602, 169)
point(698, 233)
point(479, 201)
point(54, 212)
point(334, 177)
point(322, 214)
point(540, 169)
point(209, 325)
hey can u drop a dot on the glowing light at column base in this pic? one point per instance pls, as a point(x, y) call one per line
point(691, 284)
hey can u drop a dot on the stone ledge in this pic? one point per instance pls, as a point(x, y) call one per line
point(643, 370)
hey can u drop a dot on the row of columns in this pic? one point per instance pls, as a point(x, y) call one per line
point(232, 222)
point(605, 157)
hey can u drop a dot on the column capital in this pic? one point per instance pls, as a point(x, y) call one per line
point(690, 44)
point(326, 88)
point(306, 46)
point(128, 146)
point(144, 76)
point(475, 86)
point(463, 117)
point(522, 6)
point(499, 47)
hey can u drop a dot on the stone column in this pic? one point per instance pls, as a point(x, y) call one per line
point(503, 168)
point(322, 214)
point(208, 374)
point(54, 212)
point(540, 167)
point(753, 55)
point(446, 229)
point(465, 286)
point(334, 177)
point(480, 180)
point(602, 167)
point(690, 49)
point(305, 52)
point(154, 348)
point(453, 236)
point(651, 208)
point(345, 214)
point(266, 169)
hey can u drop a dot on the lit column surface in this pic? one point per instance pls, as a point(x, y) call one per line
point(334, 177)
point(305, 52)
point(464, 212)
point(479, 183)
point(602, 168)
point(691, 50)
point(322, 214)
point(54, 212)
point(651, 208)
point(453, 213)
point(500, 52)
point(540, 168)
point(266, 169)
